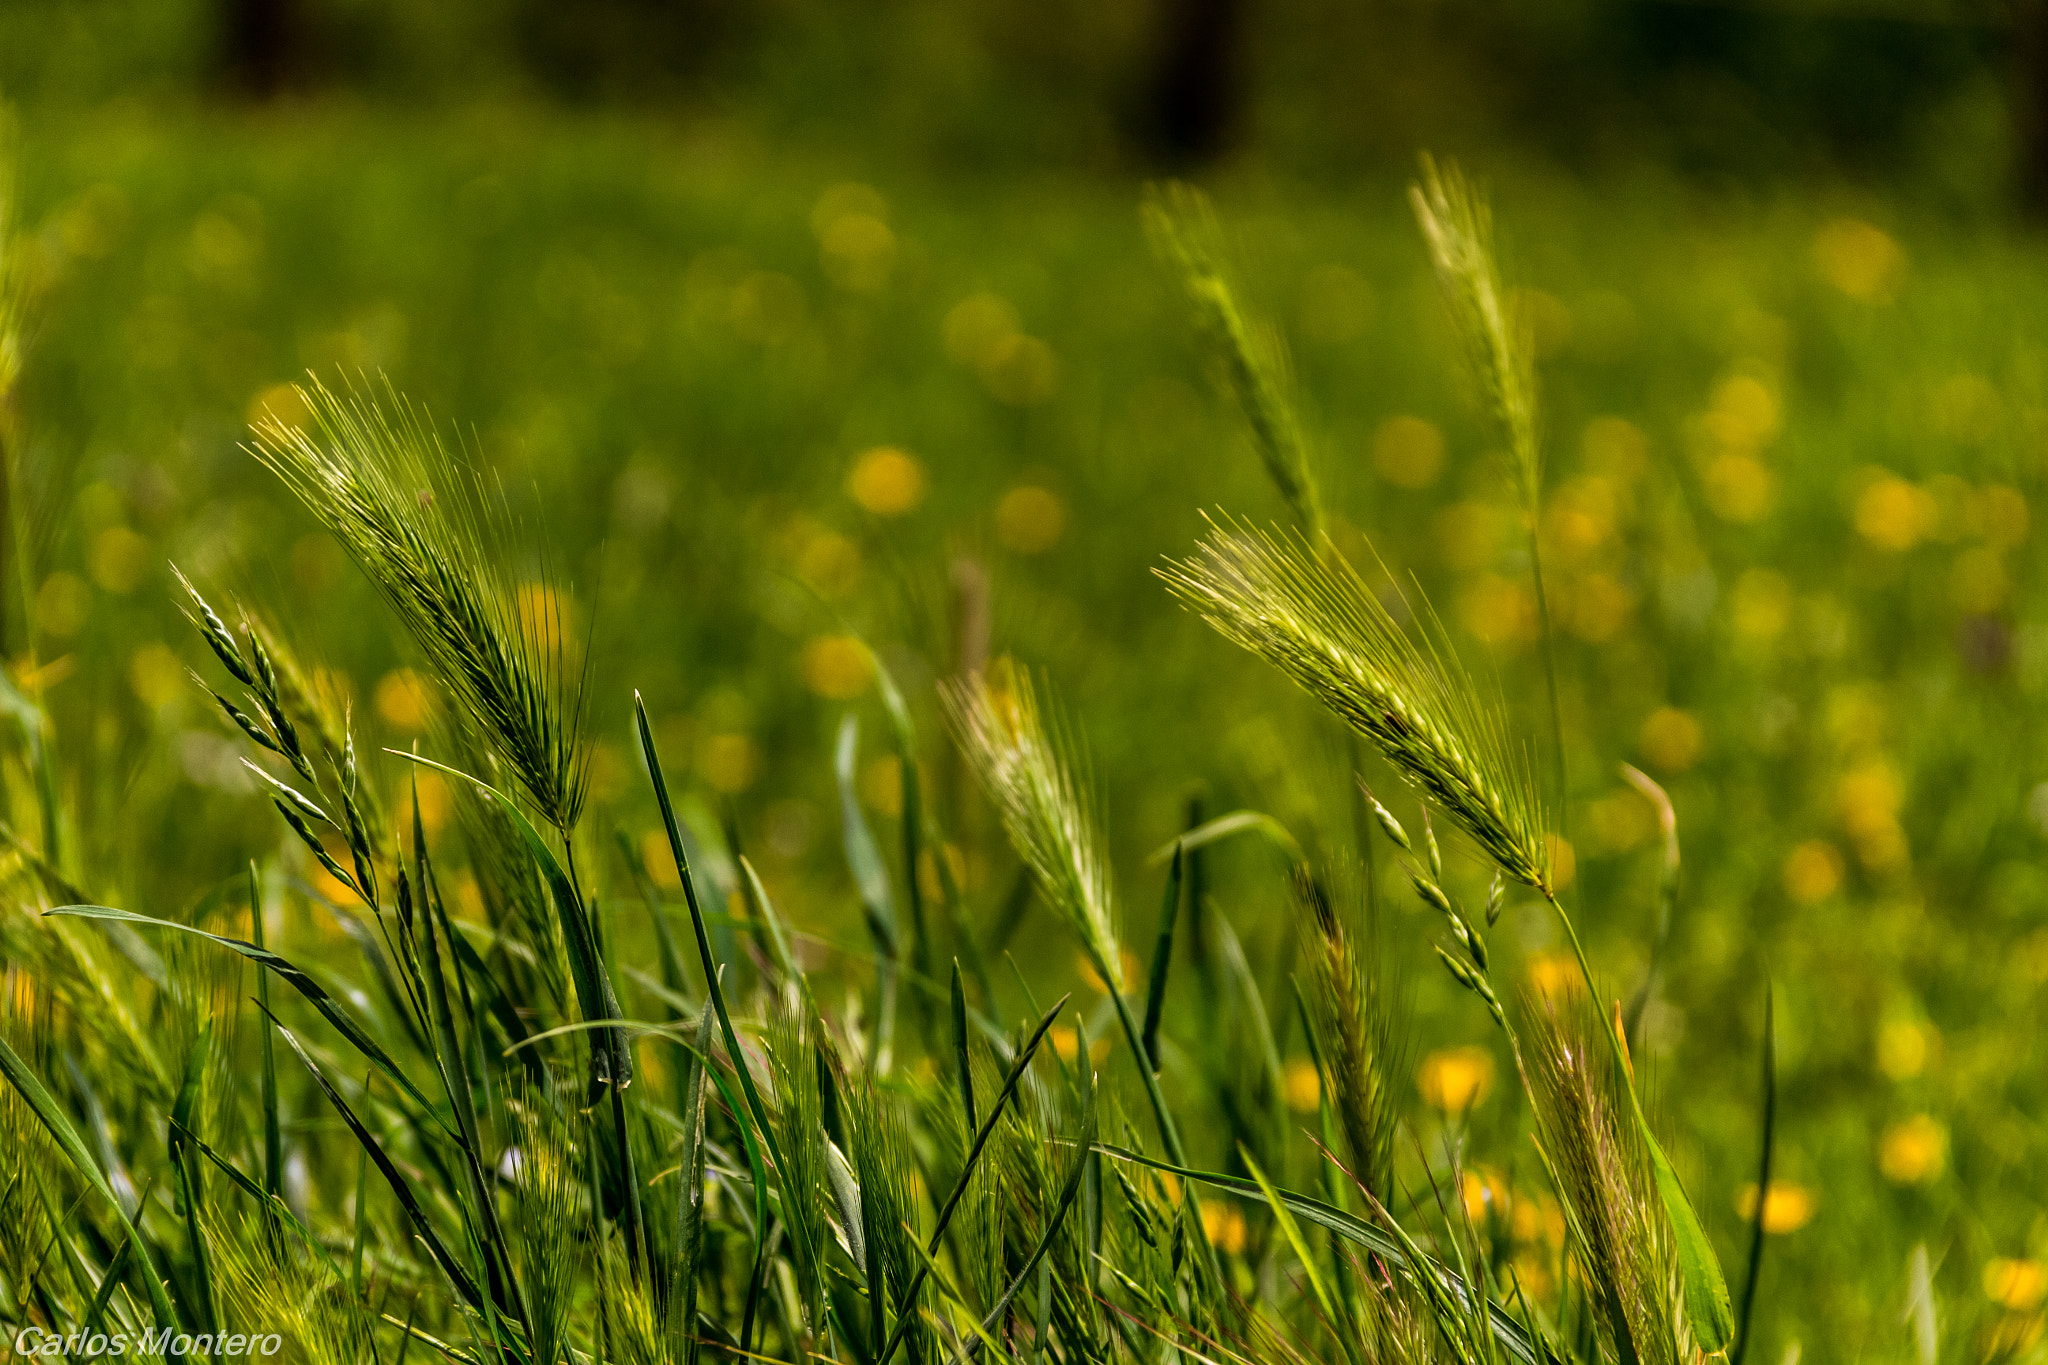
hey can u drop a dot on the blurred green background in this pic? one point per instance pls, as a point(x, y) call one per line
point(784, 321)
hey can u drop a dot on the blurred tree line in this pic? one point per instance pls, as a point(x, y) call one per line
point(1957, 89)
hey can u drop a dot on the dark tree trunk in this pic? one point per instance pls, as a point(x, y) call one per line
point(1195, 92)
point(2030, 102)
point(261, 42)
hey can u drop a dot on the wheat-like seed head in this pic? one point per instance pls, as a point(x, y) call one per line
point(275, 1285)
point(1312, 616)
point(1045, 806)
point(1604, 1169)
point(1356, 1031)
point(547, 1219)
point(1458, 227)
point(1251, 357)
point(379, 478)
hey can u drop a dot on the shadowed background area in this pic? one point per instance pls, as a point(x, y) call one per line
point(786, 323)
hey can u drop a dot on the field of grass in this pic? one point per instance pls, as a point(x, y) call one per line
point(746, 409)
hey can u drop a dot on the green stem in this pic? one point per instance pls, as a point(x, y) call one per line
point(273, 1131)
point(1593, 994)
point(1169, 1133)
point(1548, 645)
point(629, 1181)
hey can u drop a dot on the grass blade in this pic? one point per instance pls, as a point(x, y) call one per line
point(963, 1070)
point(1288, 1229)
point(273, 1132)
point(362, 1231)
point(907, 1300)
point(1162, 960)
point(45, 1107)
point(871, 879)
point(116, 1268)
point(1705, 1289)
point(1763, 1181)
point(185, 1170)
point(689, 1257)
point(407, 1200)
point(754, 1111)
point(306, 986)
point(1223, 827)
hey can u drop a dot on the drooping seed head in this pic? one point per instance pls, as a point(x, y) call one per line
point(426, 534)
point(1045, 806)
point(1312, 616)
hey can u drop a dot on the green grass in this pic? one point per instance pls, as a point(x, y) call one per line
point(673, 350)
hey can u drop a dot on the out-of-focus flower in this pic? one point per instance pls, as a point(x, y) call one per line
point(1913, 1151)
point(886, 481)
point(1455, 1079)
point(1787, 1208)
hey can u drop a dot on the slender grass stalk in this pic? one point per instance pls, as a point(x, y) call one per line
point(1769, 1122)
point(1050, 821)
point(1500, 355)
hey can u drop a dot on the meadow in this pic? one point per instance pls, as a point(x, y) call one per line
point(789, 447)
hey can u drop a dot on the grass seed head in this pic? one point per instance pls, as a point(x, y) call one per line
point(1604, 1171)
point(1311, 616)
point(1458, 227)
point(1356, 1031)
point(1386, 819)
point(429, 538)
point(1250, 357)
point(1024, 763)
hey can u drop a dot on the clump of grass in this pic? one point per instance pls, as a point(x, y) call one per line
point(953, 1205)
point(293, 1290)
point(1314, 618)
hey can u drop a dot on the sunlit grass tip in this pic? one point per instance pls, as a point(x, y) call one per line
point(429, 535)
point(1249, 356)
point(1314, 618)
point(1458, 226)
point(1022, 757)
point(1602, 1166)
